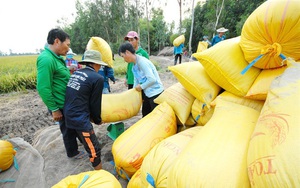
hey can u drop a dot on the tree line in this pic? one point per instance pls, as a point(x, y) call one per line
point(112, 19)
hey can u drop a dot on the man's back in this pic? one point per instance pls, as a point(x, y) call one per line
point(83, 96)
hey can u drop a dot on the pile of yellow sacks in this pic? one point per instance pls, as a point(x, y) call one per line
point(232, 120)
point(238, 109)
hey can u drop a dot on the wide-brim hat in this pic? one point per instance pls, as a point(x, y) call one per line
point(92, 56)
point(70, 52)
point(222, 30)
point(131, 34)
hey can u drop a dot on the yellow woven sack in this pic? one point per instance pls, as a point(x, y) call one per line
point(190, 121)
point(227, 96)
point(7, 154)
point(224, 64)
point(99, 44)
point(261, 85)
point(90, 179)
point(135, 180)
point(196, 81)
point(179, 99)
point(130, 148)
point(271, 33)
point(274, 155)
point(201, 112)
point(157, 163)
point(217, 155)
point(120, 106)
point(179, 40)
point(202, 46)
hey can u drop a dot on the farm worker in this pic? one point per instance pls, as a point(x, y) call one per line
point(83, 105)
point(133, 38)
point(205, 39)
point(218, 38)
point(178, 53)
point(146, 77)
point(52, 79)
point(108, 74)
point(72, 63)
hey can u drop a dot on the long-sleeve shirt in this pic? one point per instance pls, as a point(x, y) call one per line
point(83, 99)
point(147, 76)
point(217, 39)
point(107, 73)
point(129, 75)
point(52, 79)
point(178, 49)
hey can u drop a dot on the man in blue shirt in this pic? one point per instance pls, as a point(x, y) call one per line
point(220, 37)
point(108, 74)
point(146, 77)
point(178, 53)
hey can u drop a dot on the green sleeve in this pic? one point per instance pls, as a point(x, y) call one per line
point(129, 75)
point(45, 71)
point(142, 52)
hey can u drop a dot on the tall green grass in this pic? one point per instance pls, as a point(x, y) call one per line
point(18, 73)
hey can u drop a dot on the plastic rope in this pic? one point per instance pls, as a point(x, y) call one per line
point(121, 170)
point(282, 56)
point(84, 180)
point(198, 116)
point(7, 180)
point(255, 60)
point(150, 180)
point(251, 64)
point(115, 171)
point(16, 165)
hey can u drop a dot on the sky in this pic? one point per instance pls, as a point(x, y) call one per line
point(25, 23)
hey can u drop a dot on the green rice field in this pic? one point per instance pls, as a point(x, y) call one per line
point(18, 73)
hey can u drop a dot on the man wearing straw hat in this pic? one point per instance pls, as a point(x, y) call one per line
point(220, 37)
point(83, 105)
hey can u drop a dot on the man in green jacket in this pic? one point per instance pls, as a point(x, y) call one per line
point(133, 38)
point(52, 79)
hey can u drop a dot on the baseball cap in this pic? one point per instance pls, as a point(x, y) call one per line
point(131, 34)
point(92, 56)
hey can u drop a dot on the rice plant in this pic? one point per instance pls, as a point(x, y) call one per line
point(18, 73)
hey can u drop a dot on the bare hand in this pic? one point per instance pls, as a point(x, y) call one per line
point(57, 115)
point(138, 88)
